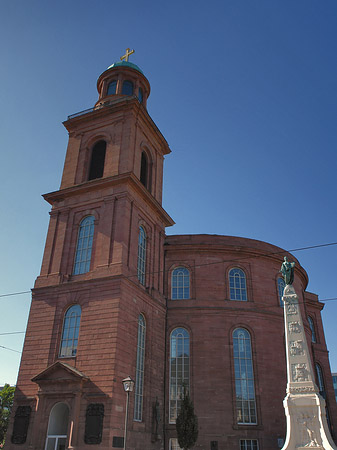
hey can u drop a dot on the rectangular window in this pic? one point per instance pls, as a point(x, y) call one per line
point(249, 444)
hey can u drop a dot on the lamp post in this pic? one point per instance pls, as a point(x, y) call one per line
point(128, 385)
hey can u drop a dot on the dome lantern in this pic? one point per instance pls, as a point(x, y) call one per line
point(123, 78)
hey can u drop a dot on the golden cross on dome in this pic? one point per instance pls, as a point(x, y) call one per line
point(127, 54)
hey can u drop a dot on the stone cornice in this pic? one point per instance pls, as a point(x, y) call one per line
point(120, 105)
point(102, 183)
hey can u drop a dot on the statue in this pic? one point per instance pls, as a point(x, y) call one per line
point(287, 270)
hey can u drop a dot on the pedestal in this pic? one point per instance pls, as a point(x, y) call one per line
point(304, 408)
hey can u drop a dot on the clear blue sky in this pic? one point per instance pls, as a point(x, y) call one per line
point(244, 91)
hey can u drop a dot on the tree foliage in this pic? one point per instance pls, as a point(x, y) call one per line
point(187, 423)
point(6, 403)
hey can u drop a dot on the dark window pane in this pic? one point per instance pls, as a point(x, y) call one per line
point(97, 161)
point(127, 88)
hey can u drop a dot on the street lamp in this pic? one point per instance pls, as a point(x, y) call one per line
point(128, 385)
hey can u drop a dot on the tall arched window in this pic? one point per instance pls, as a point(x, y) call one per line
point(180, 286)
point(312, 329)
point(280, 288)
point(179, 369)
point(84, 245)
point(141, 262)
point(139, 385)
point(127, 88)
point(96, 169)
point(320, 380)
point(112, 88)
point(237, 285)
point(144, 169)
point(70, 331)
point(57, 427)
point(322, 391)
point(244, 377)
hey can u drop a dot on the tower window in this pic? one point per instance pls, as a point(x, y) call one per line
point(140, 95)
point(127, 88)
point(244, 377)
point(141, 262)
point(144, 170)
point(84, 246)
point(97, 160)
point(237, 285)
point(112, 88)
point(71, 328)
point(180, 283)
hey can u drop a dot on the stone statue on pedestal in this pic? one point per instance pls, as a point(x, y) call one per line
point(287, 270)
point(304, 408)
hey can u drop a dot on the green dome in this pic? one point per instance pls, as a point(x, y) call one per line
point(125, 64)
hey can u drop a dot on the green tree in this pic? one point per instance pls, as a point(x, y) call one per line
point(187, 423)
point(6, 403)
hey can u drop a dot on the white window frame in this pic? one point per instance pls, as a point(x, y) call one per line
point(180, 282)
point(84, 245)
point(141, 259)
point(237, 285)
point(244, 377)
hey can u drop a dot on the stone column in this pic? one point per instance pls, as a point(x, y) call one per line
point(304, 408)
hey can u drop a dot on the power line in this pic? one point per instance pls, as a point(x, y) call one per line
point(6, 348)
point(15, 293)
point(13, 332)
point(219, 262)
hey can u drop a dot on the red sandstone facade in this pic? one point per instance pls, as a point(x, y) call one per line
point(116, 290)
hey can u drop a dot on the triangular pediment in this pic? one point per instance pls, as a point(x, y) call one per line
point(60, 371)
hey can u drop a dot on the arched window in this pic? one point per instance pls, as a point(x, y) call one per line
point(320, 380)
point(144, 170)
point(280, 287)
point(237, 285)
point(312, 328)
point(140, 95)
point(127, 88)
point(180, 283)
point(71, 328)
point(244, 377)
point(112, 88)
point(179, 369)
point(84, 245)
point(322, 391)
point(141, 262)
point(97, 160)
point(139, 385)
point(57, 427)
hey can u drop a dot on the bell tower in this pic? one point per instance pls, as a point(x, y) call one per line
point(98, 308)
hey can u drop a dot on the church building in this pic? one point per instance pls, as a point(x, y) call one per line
point(118, 298)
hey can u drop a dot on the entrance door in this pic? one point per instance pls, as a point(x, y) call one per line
point(57, 427)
